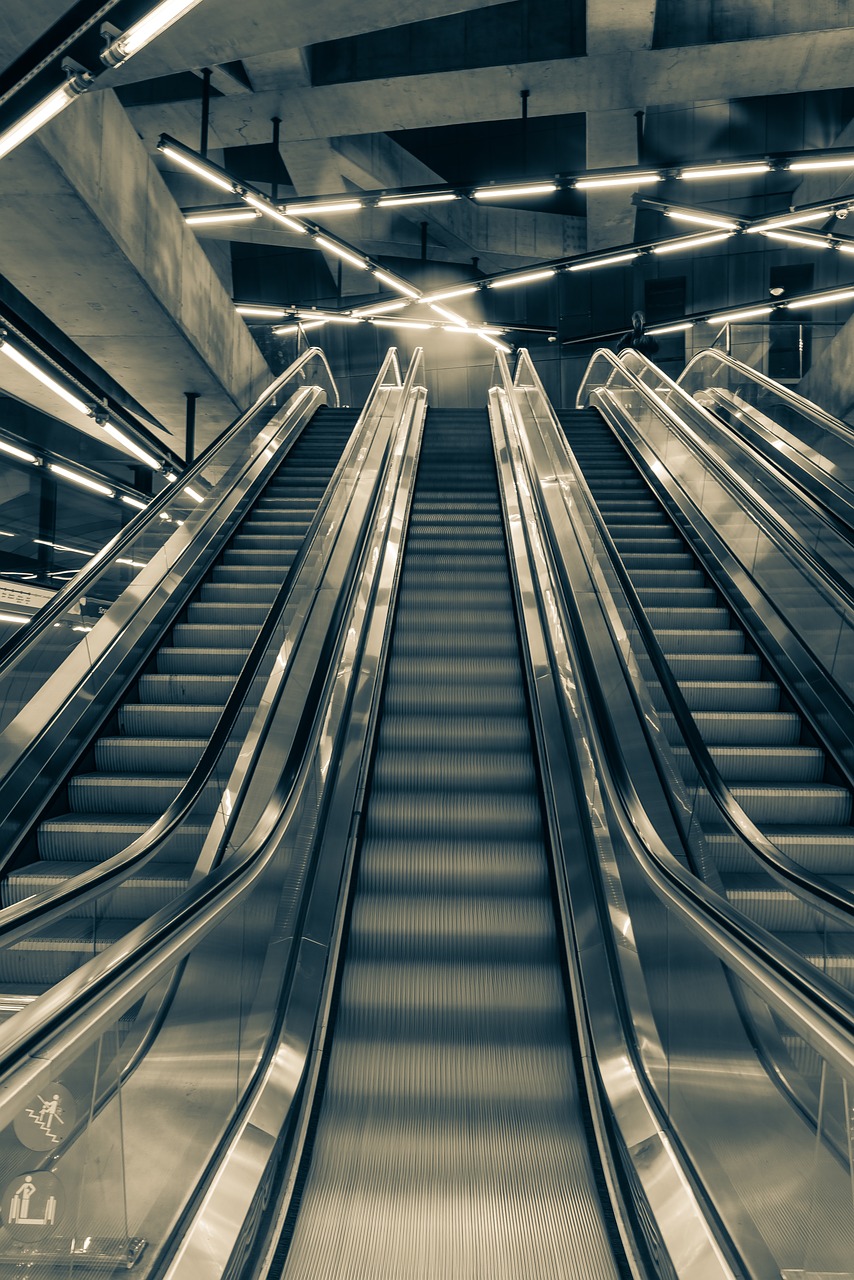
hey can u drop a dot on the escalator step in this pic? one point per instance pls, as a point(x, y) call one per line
point(822, 805)
point(731, 728)
point(250, 593)
point(452, 771)
point(145, 892)
point(208, 662)
point(144, 720)
point(103, 793)
point(74, 837)
point(730, 695)
point(778, 910)
point(213, 614)
point(829, 850)
point(753, 763)
point(464, 817)
point(695, 641)
point(60, 949)
point(717, 667)
point(460, 733)
point(136, 756)
point(453, 867)
point(198, 635)
point(186, 688)
point(471, 928)
point(406, 695)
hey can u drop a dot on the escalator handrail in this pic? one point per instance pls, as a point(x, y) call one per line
point(71, 1012)
point(817, 1007)
point(808, 408)
point(21, 919)
point(818, 890)
point(82, 582)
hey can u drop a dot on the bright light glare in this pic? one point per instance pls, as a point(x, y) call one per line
point(338, 249)
point(531, 189)
point(829, 162)
point(45, 379)
point(824, 300)
point(13, 617)
point(199, 168)
point(750, 313)
point(613, 261)
point(792, 220)
point(437, 197)
point(793, 238)
point(192, 493)
point(331, 206)
point(272, 211)
point(673, 328)
point(14, 452)
point(448, 314)
point(617, 180)
point(132, 446)
point(701, 219)
point(463, 292)
point(38, 115)
point(530, 278)
point(393, 283)
point(727, 171)
point(224, 216)
point(691, 242)
point(83, 481)
point(141, 33)
point(133, 502)
point(264, 313)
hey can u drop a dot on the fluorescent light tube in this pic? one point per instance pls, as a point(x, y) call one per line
point(672, 328)
point(198, 167)
point(613, 261)
point(224, 217)
point(330, 206)
point(13, 617)
point(822, 300)
point(141, 33)
point(845, 246)
point(394, 283)
point(380, 309)
point(617, 180)
point(464, 291)
point(749, 313)
point(436, 197)
point(791, 237)
point(134, 502)
point(83, 481)
point(47, 109)
point(701, 219)
point(531, 277)
point(264, 313)
point(273, 211)
point(330, 317)
point(727, 171)
point(690, 242)
point(402, 324)
point(14, 452)
point(45, 379)
point(193, 493)
point(285, 329)
point(528, 189)
point(127, 443)
point(448, 315)
point(791, 220)
point(493, 342)
point(829, 162)
point(338, 249)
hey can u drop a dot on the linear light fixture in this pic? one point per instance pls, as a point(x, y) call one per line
point(447, 314)
point(526, 189)
point(262, 312)
point(273, 211)
point(83, 481)
point(530, 277)
point(614, 260)
point(394, 282)
point(682, 243)
point(845, 246)
point(193, 493)
point(823, 162)
point(820, 300)
point(494, 342)
point(295, 328)
point(328, 317)
point(44, 378)
point(701, 219)
point(793, 219)
point(148, 28)
point(672, 328)
point(134, 502)
point(402, 324)
point(464, 291)
point(199, 167)
point(132, 447)
point(326, 206)
point(381, 308)
point(13, 618)
point(222, 217)
point(433, 197)
point(792, 237)
point(751, 170)
point(47, 109)
point(332, 246)
point(14, 452)
point(748, 313)
point(617, 180)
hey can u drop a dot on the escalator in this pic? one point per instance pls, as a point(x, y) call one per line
point(155, 736)
point(761, 745)
point(450, 1134)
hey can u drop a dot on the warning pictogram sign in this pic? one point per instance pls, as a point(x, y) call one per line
point(47, 1120)
point(33, 1205)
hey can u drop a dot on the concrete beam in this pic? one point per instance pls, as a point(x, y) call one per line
point(616, 25)
point(611, 143)
point(600, 82)
point(94, 239)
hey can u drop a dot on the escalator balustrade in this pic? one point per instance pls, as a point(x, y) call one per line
point(157, 734)
point(758, 741)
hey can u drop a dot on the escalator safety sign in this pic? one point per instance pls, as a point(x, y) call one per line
point(33, 1205)
point(47, 1120)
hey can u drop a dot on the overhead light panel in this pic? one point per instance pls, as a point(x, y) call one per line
point(792, 237)
point(530, 277)
point(14, 452)
point(141, 33)
point(751, 170)
point(84, 481)
point(221, 217)
point(328, 206)
point(526, 189)
point(748, 313)
point(49, 107)
point(132, 447)
point(432, 197)
point(332, 246)
point(617, 180)
point(197, 166)
point(614, 261)
point(684, 244)
point(394, 283)
point(821, 300)
point(273, 211)
point(44, 378)
point(823, 162)
point(701, 219)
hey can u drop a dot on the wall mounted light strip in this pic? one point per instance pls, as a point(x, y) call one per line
point(328, 317)
point(262, 312)
point(223, 218)
point(792, 237)
point(14, 452)
point(131, 446)
point(447, 314)
point(273, 211)
point(134, 502)
point(148, 28)
point(820, 300)
point(613, 261)
point(42, 112)
point(83, 481)
point(825, 162)
point(793, 219)
point(395, 283)
point(701, 219)
point(198, 167)
point(380, 309)
point(402, 324)
point(684, 244)
point(340, 252)
point(435, 197)
point(672, 328)
point(731, 317)
point(494, 342)
point(329, 206)
point(44, 378)
point(530, 277)
point(617, 180)
point(464, 291)
point(502, 193)
point(752, 170)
